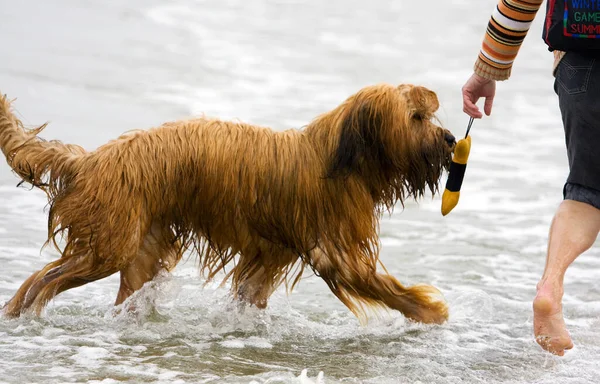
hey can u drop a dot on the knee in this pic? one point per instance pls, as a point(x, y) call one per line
point(579, 223)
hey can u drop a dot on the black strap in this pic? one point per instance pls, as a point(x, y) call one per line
point(469, 127)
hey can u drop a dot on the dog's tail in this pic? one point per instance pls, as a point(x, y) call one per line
point(44, 164)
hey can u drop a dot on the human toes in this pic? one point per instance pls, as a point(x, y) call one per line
point(555, 345)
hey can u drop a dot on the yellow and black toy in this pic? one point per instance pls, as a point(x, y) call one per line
point(456, 173)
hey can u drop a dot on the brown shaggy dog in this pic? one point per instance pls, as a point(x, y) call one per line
point(266, 203)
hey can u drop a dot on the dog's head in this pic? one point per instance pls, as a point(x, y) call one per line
point(388, 136)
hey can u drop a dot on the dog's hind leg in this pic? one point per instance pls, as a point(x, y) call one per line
point(363, 285)
point(159, 251)
point(56, 277)
point(14, 306)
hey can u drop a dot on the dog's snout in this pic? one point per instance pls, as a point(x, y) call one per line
point(450, 139)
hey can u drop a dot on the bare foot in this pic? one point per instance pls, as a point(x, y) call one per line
point(548, 323)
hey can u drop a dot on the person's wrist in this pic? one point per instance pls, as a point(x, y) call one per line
point(481, 80)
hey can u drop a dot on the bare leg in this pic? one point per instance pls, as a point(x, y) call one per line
point(573, 231)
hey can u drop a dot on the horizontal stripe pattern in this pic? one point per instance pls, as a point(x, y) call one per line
point(505, 33)
point(507, 22)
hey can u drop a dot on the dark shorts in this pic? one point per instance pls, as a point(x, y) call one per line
point(582, 194)
point(577, 85)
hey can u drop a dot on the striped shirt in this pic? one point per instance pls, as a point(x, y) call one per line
point(505, 33)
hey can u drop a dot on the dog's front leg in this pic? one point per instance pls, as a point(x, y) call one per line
point(157, 253)
point(255, 289)
point(257, 277)
point(358, 283)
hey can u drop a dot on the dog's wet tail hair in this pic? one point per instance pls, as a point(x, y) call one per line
point(43, 164)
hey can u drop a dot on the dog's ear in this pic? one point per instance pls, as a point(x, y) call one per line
point(422, 102)
point(358, 134)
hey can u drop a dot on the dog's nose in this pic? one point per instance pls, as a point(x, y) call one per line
point(450, 139)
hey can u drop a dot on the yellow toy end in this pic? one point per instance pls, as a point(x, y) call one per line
point(462, 150)
point(456, 175)
point(449, 201)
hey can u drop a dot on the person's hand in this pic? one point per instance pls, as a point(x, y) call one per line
point(475, 88)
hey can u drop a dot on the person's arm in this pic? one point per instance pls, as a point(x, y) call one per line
point(506, 30)
point(505, 33)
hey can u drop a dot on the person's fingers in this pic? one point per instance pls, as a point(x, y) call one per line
point(487, 107)
point(469, 107)
point(473, 111)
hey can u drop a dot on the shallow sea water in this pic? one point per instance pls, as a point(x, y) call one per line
point(95, 69)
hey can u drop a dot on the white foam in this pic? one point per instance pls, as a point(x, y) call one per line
point(91, 357)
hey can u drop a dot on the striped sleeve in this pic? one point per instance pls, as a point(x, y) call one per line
point(505, 33)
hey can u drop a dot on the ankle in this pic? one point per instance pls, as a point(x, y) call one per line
point(551, 287)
